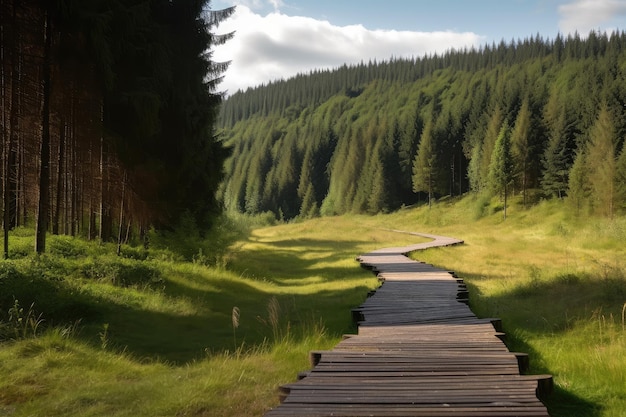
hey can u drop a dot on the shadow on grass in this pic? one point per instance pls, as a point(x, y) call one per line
point(200, 321)
point(282, 268)
point(180, 339)
point(312, 244)
point(556, 295)
point(283, 262)
point(561, 403)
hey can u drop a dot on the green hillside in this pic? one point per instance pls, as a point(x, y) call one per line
point(538, 118)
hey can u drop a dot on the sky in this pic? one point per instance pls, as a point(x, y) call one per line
point(278, 39)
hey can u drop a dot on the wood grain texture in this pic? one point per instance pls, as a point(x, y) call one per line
point(419, 351)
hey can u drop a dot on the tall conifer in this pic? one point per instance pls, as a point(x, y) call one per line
point(425, 167)
point(501, 166)
point(601, 163)
point(521, 147)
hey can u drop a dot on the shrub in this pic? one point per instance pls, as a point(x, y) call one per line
point(122, 272)
point(484, 205)
point(67, 247)
point(138, 254)
point(21, 248)
point(38, 284)
point(192, 244)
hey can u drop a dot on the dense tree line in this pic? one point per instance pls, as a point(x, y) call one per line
point(534, 117)
point(108, 111)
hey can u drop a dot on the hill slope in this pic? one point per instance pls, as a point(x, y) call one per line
point(377, 136)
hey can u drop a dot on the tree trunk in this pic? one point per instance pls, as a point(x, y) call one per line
point(60, 175)
point(43, 210)
point(10, 151)
point(5, 132)
point(505, 198)
point(121, 219)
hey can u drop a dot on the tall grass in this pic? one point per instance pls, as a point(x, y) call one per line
point(559, 284)
point(148, 333)
point(156, 333)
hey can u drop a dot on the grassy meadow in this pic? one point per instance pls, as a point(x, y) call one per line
point(87, 333)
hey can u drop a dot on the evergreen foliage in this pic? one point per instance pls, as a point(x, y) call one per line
point(425, 165)
point(376, 136)
point(501, 165)
point(600, 164)
point(112, 107)
point(578, 183)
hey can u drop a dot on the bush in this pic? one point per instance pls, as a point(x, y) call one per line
point(21, 248)
point(482, 207)
point(38, 285)
point(122, 272)
point(207, 248)
point(67, 247)
point(138, 254)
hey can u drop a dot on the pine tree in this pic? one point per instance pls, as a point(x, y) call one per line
point(601, 163)
point(378, 200)
point(501, 166)
point(425, 167)
point(473, 172)
point(557, 158)
point(578, 186)
point(43, 210)
point(383, 187)
point(620, 178)
point(494, 128)
point(521, 147)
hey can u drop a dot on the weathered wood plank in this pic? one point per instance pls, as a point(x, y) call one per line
point(419, 351)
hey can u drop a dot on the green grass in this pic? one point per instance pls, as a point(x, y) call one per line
point(151, 334)
point(559, 284)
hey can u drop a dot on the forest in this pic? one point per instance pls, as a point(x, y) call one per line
point(127, 291)
point(537, 118)
point(108, 111)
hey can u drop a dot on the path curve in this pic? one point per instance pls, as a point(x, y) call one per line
point(419, 351)
point(437, 241)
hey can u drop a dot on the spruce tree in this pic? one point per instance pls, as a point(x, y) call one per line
point(620, 178)
point(601, 163)
point(521, 147)
point(501, 166)
point(425, 164)
point(473, 171)
point(557, 158)
point(578, 185)
point(494, 128)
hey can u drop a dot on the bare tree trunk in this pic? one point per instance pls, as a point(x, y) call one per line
point(120, 227)
point(10, 159)
point(71, 164)
point(5, 129)
point(91, 232)
point(59, 188)
point(44, 176)
point(102, 188)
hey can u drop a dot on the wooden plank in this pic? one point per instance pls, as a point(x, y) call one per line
point(419, 351)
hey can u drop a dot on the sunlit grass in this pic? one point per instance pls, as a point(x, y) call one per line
point(559, 284)
point(170, 348)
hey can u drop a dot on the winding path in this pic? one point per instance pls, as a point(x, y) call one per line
point(420, 351)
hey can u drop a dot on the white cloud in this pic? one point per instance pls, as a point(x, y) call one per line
point(587, 15)
point(277, 46)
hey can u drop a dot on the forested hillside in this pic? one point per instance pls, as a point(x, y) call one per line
point(539, 118)
point(107, 115)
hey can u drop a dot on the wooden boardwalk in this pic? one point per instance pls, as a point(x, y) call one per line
point(420, 351)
